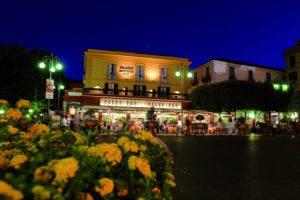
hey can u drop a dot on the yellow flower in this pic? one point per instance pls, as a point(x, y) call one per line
point(80, 139)
point(106, 186)
point(122, 140)
point(18, 160)
point(170, 182)
point(110, 152)
point(23, 103)
point(122, 191)
point(146, 136)
point(65, 168)
point(43, 173)
point(4, 158)
point(170, 176)
point(13, 114)
point(12, 130)
point(3, 102)
point(86, 196)
point(39, 129)
point(40, 192)
point(127, 145)
point(141, 164)
point(9, 192)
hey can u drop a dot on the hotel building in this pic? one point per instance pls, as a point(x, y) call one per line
point(219, 69)
point(124, 85)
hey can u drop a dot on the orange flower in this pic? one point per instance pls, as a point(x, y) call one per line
point(13, 114)
point(3, 102)
point(22, 103)
point(106, 186)
point(18, 160)
point(39, 129)
point(12, 130)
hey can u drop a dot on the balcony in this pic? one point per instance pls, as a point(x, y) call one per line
point(111, 77)
point(126, 93)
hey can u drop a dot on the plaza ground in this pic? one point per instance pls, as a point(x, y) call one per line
point(253, 167)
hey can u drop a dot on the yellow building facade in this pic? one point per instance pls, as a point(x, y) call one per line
point(135, 74)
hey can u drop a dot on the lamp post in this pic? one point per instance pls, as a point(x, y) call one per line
point(60, 87)
point(180, 73)
point(53, 64)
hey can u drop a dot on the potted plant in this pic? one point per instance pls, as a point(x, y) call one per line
point(151, 118)
point(91, 122)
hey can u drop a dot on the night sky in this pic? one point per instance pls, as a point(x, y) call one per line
point(254, 31)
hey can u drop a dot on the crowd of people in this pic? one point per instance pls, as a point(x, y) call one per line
point(229, 127)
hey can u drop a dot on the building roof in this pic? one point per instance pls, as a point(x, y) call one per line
point(292, 49)
point(137, 53)
point(243, 63)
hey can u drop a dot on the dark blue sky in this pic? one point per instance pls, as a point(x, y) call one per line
point(254, 31)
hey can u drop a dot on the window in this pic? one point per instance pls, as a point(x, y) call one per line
point(250, 75)
point(111, 89)
point(268, 77)
point(140, 74)
point(292, 61)
point(207, 74)
point(163, 72)
point(111, 71)
point(163, 91)
point(231, 73)
point(293, 76)
point(139, 90)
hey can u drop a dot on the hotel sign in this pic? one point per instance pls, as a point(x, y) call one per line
point(140, 103)
point(126, 70)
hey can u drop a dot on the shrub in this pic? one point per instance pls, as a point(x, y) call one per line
point(41, 163)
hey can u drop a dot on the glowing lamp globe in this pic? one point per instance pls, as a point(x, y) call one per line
point(276, 86)
point(61, 87)
point(52, 69)
point(42, 65)
point(189, 74)
point(285, 87)
point(177, 73)
point(59, 66)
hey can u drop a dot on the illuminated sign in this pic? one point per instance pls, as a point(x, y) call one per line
point(140, 103)
point(75, 94)
point(126, 70)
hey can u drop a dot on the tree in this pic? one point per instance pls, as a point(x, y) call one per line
point(233, 95)
point(150, 114)
point(19, 75)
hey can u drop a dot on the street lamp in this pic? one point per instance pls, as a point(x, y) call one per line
point(284, 87)
point(60, 87)
point(53, 64)
point(180, 73)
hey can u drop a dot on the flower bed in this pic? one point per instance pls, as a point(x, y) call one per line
point(39, 163)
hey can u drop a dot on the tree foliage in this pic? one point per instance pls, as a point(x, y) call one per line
point(294, 104)
point(19, 75)
point(233, 95)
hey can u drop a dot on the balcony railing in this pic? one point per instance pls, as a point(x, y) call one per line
point(132, 93)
